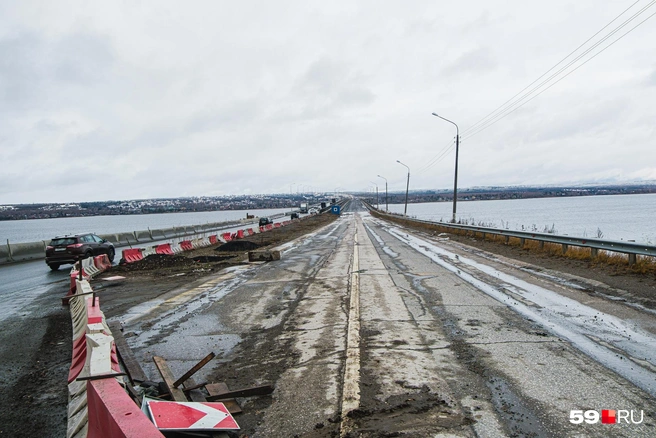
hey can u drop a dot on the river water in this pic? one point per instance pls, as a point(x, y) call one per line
point(614, 217)
point(34, 230)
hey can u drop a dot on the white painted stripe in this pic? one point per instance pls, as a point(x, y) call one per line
point(351, 388)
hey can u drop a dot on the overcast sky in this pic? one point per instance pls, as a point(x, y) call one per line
point(129, 100)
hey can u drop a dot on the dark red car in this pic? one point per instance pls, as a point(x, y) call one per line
point(64, 250)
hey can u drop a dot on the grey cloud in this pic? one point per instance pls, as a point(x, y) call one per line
point(472, 62)
point(82, 58)
point(651, 79)
point(584, 119)
point(33, 69)
point(327, 87)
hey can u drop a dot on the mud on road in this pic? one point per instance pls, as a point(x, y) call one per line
point(34, 384)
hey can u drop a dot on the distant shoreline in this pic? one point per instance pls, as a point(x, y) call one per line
point(261, 202)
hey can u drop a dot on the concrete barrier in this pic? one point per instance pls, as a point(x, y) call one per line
point(4, 254)
point(158, 235)
point(18, 252)
point(143, 236)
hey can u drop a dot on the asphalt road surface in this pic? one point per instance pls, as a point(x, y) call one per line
point(366, 329)
point(369, 329)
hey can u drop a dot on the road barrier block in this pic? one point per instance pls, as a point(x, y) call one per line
point(113, 413)
point(240, 234)
point(132, 255)
point(165, 248)
point(186, 245)
point(269, 226)
point(89, 267)
point(102, 262)
point(227, 237)
point(277, 225)
point(214, 239)
point(148, 251)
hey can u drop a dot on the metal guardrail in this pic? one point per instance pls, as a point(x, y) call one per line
point(630, 248)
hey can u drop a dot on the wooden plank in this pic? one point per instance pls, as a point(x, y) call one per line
point(194, 369)
point(194, 394)
point(246, 392)
point(168, 378)
point(130, 364)
point(222, 388)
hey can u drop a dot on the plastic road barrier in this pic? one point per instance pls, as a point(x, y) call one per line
point(186, 245)
point(132, 255)
point(164, 249)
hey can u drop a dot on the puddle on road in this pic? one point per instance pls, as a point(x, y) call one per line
point(629, 352)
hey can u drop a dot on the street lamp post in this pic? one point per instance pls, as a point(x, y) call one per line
point(455, 178)
point(376, 193)
point(407, 187)
point(386, 206)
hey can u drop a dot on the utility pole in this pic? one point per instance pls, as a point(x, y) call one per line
point(386, 206)
point(407, 187)
point(377, 208)
point(455, 178)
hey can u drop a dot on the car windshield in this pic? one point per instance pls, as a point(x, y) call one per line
point(62, 241)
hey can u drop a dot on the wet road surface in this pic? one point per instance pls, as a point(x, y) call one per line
point(368, 329)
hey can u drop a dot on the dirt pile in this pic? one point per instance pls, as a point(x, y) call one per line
point(204, 261)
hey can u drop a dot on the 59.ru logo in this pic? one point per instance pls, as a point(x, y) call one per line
point(608, 416)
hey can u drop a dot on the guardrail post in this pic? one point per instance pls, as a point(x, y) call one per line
point(507, 239)
point(632, 259)
point(541, 244)
point(565, 247)
point(594, 252)
point(522, 241)
point(9, 257)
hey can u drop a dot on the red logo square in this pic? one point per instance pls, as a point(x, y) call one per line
point(608, 416)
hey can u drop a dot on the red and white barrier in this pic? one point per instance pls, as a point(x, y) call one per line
point(89, 267)
point(98, 408)
point(102, 262)
point(164, 249)
point(186, 245)
point(148, 251)
point(132, 255)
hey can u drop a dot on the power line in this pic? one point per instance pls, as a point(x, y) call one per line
point(521, 102)
point(437, 158)
point(498, 109)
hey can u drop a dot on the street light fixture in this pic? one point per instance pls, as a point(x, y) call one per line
point(405, 211)
point(386, 206)
point(455, 178)
point(376, 193)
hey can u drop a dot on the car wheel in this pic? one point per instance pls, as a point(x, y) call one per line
point(110, 254)
point(53, 266)
point(88, 254)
